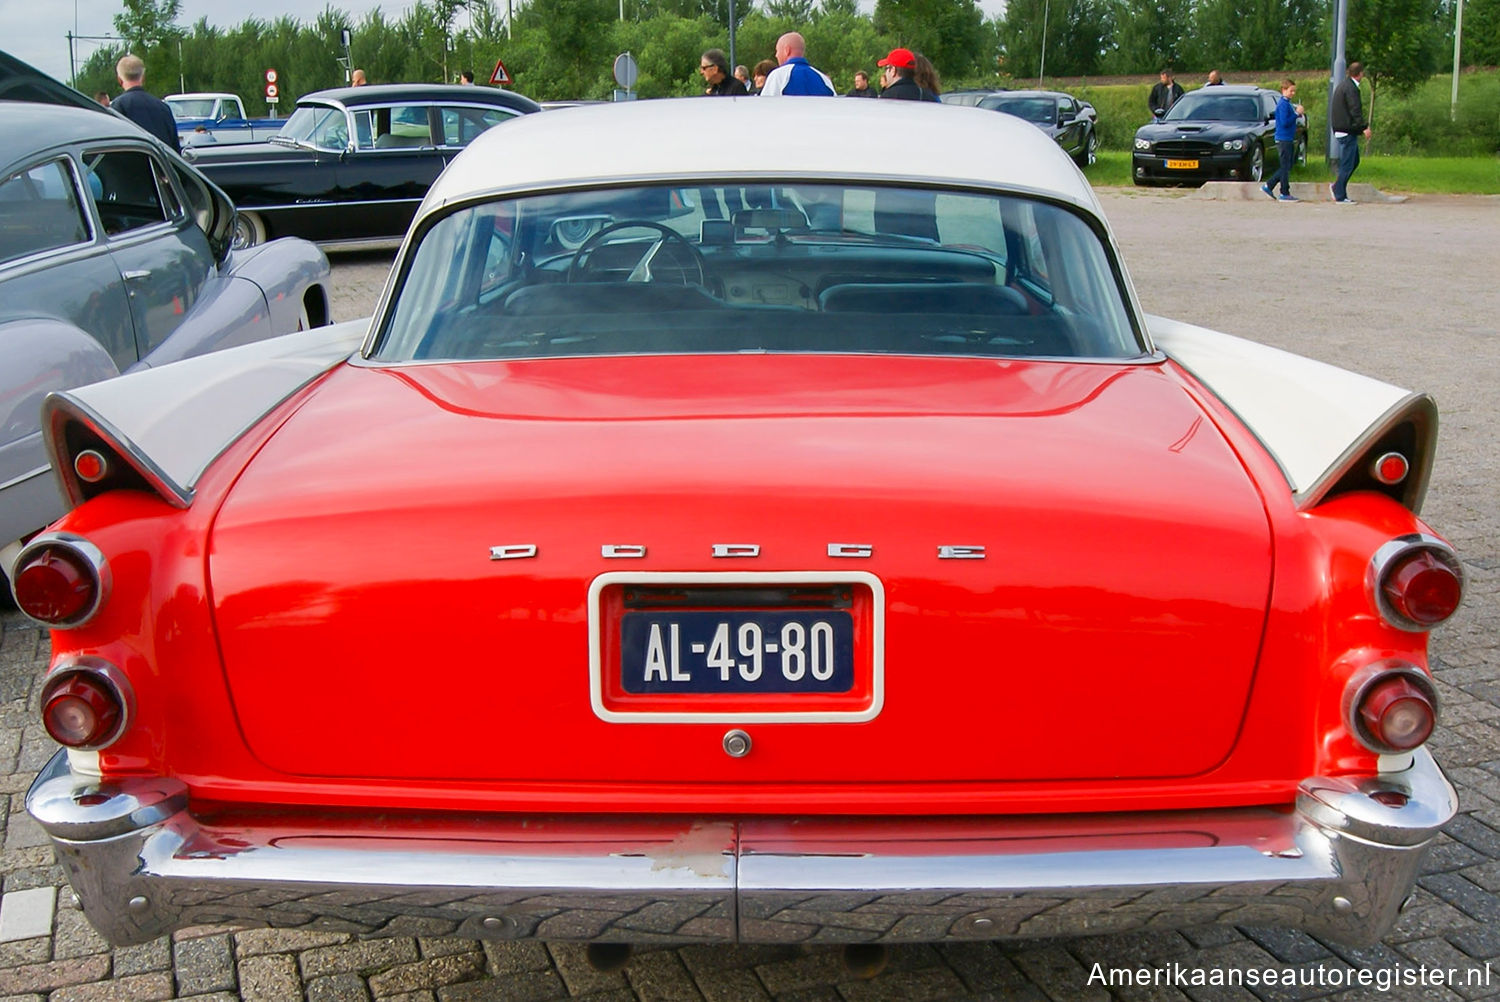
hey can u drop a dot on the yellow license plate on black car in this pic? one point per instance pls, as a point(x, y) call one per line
point(1182, 165)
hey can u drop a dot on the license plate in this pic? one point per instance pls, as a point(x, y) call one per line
point(737, 651)
point(1182, 164)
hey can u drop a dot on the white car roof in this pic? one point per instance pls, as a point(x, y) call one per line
point(703, 138)
point(198, 95)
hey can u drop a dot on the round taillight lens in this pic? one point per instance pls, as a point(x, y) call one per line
point(1422, 589)
point(82, 710)
point(1391, 468)
point(1396, 713)
point(55, 584)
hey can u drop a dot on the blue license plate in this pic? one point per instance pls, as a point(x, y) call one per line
point(737, 651)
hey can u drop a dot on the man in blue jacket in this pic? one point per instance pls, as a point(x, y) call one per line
point(1286, 141)
point(795, 77)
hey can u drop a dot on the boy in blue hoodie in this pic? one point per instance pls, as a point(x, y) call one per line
point(1286, 142)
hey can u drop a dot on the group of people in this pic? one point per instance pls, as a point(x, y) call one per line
point(905, 75)
point(1346, 117)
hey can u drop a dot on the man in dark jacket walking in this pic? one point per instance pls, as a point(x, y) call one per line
point(1346, 116)
point(137, 104)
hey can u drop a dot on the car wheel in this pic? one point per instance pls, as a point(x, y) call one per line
point(1090, 152)
point(248, 230)
point(1299, 152)
point(1257, 164)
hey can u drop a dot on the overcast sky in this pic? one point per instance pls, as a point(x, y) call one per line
point(36, 30)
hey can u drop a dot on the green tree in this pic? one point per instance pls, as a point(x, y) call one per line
point(1399, 41)
point(1152, 34)
point(147, 23)
point(1480, 45)
point(1076, 33)
point(951, 33)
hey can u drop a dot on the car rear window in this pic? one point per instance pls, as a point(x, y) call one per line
point(39, 211)
point(759, 267)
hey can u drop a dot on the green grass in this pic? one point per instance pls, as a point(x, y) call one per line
point(1478, 175)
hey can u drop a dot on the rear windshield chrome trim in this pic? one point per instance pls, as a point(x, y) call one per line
point(877, 641)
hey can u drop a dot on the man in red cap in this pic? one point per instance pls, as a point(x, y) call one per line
point(897, 81)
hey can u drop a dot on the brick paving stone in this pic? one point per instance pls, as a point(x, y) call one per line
point(900, 986)
point(816, 968)
point(1467, 897)
point(660, 976)
point(27, 914)
point(153, 956)
point(528, 986)
point(1055, 969)
point(516, 958)
point(74, 937)
point(1439, 953)
point(982, 967)
point(269, 978)
point(440, 947)
point(1289, 946)
point(571, 961)
point(734, 984)
point(57, 974)
point(203, 964)
point(153, 987)
point(338, 988)
point(253, 942)
point(361, 956)
point(425, 974)
point(26, 951)
point(1481, 942)
point(421, 996)
point(1474, 834)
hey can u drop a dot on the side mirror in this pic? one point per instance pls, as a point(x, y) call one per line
point(1159, 112)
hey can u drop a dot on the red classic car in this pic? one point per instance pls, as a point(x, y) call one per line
point(807, 540)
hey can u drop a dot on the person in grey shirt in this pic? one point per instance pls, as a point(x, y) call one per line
point(142, 107)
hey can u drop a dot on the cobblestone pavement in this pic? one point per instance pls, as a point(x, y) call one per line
point(1409, 293)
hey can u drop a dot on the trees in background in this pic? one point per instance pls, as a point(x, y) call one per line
point(564, 49)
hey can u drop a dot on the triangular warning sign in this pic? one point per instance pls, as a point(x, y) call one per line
point(499, 77)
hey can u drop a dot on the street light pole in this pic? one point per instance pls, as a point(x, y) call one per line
point(1458, 36)
point(1340, 33)
point(1041, 72)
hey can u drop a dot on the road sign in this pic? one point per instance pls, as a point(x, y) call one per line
point(272, 92)
point(270, 76)
point(626, 71)
point(500, 77)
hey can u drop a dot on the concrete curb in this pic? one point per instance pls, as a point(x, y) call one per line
point(1307, 191)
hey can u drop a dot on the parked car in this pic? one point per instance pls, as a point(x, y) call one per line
point(215, 117)
point(968, 98)
point(823, 548)
point(114, 256)
point(352, 164)
point(1223, 133)
point(1073, 124)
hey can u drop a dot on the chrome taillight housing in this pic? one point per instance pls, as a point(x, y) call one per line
point(1391, 707)
point(60, 579)
point(1416, 581)
point(86, 704)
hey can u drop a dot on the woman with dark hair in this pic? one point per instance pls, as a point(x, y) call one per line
point(762, 70)
point(718, 81)
point(926, 76)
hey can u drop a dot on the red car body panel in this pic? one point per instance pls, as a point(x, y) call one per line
point(331, 576)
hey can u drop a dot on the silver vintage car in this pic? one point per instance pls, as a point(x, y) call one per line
point(115, 255)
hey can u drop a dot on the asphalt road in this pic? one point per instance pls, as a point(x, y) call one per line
point(1409, 293)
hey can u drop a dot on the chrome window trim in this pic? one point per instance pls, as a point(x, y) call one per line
point(1086, 214)
point(329, 204)
point(83, 203)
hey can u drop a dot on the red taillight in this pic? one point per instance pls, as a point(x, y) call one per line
point(1396, 714)
point(82, 709)
point(55, 584)
point(1422, 589)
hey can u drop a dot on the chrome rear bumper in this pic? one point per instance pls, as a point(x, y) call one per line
point(1340, 864)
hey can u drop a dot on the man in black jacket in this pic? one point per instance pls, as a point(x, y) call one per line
point(897, 82)
point(1346, 117)
point(1164, 94)
point(149, 112)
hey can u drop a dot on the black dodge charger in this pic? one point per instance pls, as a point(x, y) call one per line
point(1223, 133)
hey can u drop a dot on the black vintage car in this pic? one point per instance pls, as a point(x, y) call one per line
point(1073, 124)
point(1225, 133)
point(352, 163)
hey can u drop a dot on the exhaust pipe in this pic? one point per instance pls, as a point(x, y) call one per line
point(865, 960)
point(608, 957)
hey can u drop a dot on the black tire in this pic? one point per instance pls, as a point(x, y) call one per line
point(1257, 168)
point(1299, 152)
point(249, 230)
point(1089, 155)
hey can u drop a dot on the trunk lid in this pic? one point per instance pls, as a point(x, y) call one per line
point(1110, 630)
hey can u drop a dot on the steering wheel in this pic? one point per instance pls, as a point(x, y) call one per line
point(641, 272)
